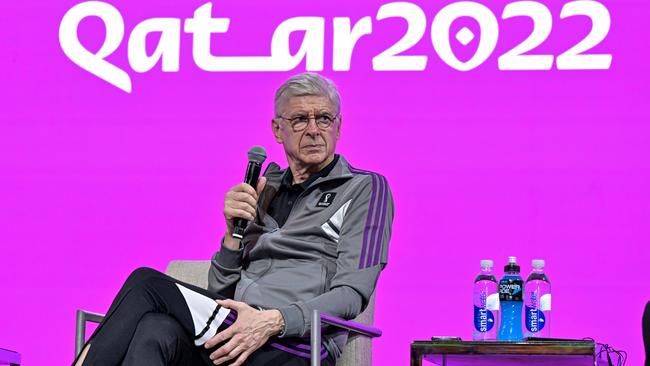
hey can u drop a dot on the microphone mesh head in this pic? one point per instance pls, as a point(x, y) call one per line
point(257, 154)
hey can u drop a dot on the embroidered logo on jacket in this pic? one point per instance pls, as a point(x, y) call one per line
point(326, 199)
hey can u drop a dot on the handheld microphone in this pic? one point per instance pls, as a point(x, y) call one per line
point(256, 156)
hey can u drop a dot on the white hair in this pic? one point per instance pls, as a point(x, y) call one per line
point(306, 84)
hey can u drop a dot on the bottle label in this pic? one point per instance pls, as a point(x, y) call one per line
point(535, 319)
point(545, 302)
point(510, 289)
point(483, 319)
point(492, 302)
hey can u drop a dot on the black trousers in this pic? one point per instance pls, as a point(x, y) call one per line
point(157, 320)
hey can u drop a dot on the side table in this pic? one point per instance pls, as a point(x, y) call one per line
point(489, 353)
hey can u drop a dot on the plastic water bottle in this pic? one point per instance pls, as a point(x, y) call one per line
point(511, 299)
point(537, 300)
point(486, 304)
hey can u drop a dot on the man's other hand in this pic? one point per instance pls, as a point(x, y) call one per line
point(248, 333)
point(240, 201)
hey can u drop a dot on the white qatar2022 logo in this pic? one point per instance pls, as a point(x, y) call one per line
point(345, 36)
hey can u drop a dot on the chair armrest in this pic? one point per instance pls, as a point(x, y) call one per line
point(356, 328)
point(80, 336)
point(8, 357)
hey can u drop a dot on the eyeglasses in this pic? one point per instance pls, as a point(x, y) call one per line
point(300, 123)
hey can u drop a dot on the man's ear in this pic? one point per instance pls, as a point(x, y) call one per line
point(275, 126)
point(338, 128)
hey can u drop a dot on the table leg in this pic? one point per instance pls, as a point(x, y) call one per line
point(416, 358)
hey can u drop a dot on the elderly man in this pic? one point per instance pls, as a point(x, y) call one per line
point(317, 239)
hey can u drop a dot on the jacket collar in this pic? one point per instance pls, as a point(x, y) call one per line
point(274, 175)
point(287, 177)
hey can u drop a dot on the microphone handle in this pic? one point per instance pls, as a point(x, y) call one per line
point(252, 175)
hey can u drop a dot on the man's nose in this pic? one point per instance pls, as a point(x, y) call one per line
point(312, 127)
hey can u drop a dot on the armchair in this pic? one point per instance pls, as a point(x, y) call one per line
point(358, 350)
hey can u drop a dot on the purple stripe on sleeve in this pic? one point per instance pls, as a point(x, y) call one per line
point(375, 224)
point(368, 219)
point(382, 221)
point(367, 256)
point(360, 171)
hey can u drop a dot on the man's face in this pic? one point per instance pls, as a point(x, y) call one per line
point(314, 145)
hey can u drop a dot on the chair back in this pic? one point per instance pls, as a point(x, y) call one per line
point(193, 272)
point(358, 351)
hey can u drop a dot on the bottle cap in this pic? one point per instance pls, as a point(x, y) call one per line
point(538, 263)
point(512, 265)
point(486, 263)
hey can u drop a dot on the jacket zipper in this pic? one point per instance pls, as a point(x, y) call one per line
point(300, 196)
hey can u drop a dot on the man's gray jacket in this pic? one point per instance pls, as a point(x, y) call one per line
point(327, 256)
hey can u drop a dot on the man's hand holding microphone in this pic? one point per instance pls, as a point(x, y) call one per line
point(241, 200)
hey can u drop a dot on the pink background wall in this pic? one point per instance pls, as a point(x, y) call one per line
point(484, 164)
